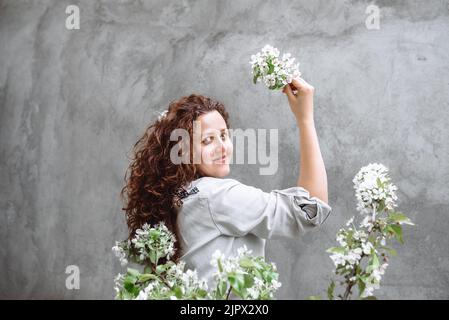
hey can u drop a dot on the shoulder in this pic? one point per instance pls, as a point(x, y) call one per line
point(207, 187)
point(229, 189)
point(228, 193)
point(210, 186)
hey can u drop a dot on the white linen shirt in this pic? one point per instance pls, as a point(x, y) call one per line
point(225, 214)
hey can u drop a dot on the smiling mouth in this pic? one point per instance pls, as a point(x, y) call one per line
point(221, 159)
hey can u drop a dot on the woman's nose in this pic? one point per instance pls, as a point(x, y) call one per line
point(221, 146)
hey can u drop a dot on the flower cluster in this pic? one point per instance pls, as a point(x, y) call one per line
point(372, 281)
point(362, 255)
point(354, 244)
point(149, 243)
point(159, 281)
point(154, 243)
point(177, 284)
point(275, 72)
point(246, 276)
point(373, 189)
point(120, 251)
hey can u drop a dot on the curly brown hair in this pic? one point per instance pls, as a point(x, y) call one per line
point(152, 180)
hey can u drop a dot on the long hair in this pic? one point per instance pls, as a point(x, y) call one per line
point(152, 180)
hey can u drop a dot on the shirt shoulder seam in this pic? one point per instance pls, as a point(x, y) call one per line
point(212, 216)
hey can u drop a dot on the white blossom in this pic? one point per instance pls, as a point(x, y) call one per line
point(118, 282)
point(373, 186)
point(120, 253)
point(375, 194)
point(275, 72)
point(367, 247)
point(145, 242)
point(367, 223)
point(350, 221)
point(373, 280)
point(171, 281)
point(147, 291)
point(242, 251)
point(216, 256)
point(162, 115)
point(232, 265)
point(275, 284)
point(253, 293)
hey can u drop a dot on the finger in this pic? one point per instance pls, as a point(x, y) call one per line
point(293, 88)
point(298, 82)
point(288, 91)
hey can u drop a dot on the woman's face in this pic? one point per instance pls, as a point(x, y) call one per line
point(215, 146)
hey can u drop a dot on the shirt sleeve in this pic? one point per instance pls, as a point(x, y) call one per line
point(238, 209)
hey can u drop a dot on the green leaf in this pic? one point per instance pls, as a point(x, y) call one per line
point(154, 233)
point(379, 183)
point(249, 281)
point(330, 290)
point(178, 292)
point(267, 276)
point(153, 256)
point(397, 229)
point(222, 288)
point(375, 261)
point(390, 251)
point(220, 266)
point(314, 298)
point(237, 281)
point(257, 273)
point(247, 263)
point(255, 78)
point(161, 268)
point(381, 206)
point(202, 293)
point(336, 250)
point(401, 218)
point(362, 278)
point(147, 276)
point(133, 272)
point(129, 285)
point(361, 285)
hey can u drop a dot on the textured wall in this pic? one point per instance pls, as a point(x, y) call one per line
point(74, 101)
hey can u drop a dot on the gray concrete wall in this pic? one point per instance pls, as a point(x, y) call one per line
point(74, 101)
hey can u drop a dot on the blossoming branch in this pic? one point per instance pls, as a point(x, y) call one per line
point(243, 276)
point(362, 256)
point(273, 71)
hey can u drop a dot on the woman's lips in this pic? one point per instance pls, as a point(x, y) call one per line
point(221, 160)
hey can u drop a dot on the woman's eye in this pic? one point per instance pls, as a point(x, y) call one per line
point(207, 140)
point(210, 139)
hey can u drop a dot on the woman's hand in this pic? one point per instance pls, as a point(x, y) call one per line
point(300, 99)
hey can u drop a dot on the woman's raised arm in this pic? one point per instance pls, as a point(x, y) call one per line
point(312, 172)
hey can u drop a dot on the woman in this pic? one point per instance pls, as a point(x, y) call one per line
point(203, 209)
